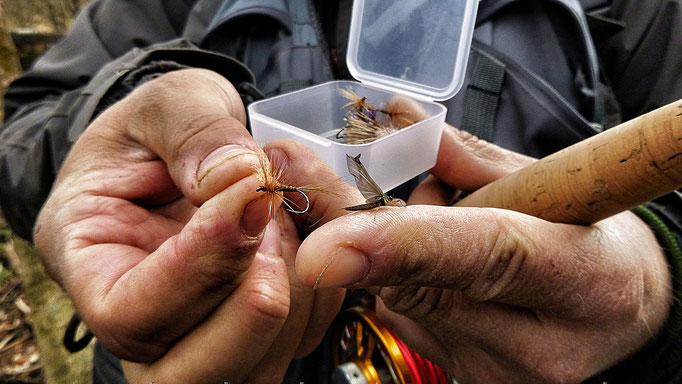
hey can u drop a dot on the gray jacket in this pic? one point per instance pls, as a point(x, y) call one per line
point(538, 105)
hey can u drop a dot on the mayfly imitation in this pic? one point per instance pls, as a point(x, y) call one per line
point(270, 175)
point(373, 194)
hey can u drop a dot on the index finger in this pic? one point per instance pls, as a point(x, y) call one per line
point(468, 163)
point(183, 131)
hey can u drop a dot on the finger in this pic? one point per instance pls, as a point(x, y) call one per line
point(301, 297)
point(433, 191)
point(233, 340)
point(312, 311)
point(197, 269)
point(487, 341)
point(416, 336)
point(468, 163)
point(325, 308)
point(328, 195)
point(183, 132)
point(488, 254)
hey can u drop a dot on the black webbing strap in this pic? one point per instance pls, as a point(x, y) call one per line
point(249, 93)
point(483, 96)
point(72, 344)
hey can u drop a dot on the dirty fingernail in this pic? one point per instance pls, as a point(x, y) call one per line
point(219, 156)
point(346, 266)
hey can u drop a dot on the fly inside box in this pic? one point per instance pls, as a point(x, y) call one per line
point(397, 48)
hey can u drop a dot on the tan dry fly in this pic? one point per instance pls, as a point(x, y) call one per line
point(365, 123)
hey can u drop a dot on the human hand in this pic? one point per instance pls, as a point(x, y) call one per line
point(154, 225)
point(493, 295)
point(215, 349)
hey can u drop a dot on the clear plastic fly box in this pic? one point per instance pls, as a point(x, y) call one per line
point(416, 49)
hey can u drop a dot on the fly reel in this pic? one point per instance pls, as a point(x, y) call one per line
point(366, 352)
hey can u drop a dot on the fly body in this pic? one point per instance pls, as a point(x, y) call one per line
point(374, 196)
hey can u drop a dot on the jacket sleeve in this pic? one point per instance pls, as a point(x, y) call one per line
point(50, 105)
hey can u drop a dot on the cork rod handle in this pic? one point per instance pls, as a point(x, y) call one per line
point(605, 174)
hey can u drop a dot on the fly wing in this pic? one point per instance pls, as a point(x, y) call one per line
point(369, 189)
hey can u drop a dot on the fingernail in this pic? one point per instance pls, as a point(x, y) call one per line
point(272, 239)
point(345, 267)
point(255, 216)
point(219, 156)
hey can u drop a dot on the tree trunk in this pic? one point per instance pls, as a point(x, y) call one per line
point(9, 61)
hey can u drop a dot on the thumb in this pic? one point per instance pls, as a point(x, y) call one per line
point(488, 254)
point(192, 120)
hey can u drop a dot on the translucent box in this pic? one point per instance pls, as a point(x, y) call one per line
point(413, 48)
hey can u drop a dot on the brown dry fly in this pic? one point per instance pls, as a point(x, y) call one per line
point(270, 174)
point(365, 123)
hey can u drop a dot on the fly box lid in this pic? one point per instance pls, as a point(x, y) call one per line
point(414, 47)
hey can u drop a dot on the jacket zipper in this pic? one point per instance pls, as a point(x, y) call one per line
point(321, 38)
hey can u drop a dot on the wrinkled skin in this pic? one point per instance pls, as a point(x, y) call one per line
point(493, 295)
point(155, 229)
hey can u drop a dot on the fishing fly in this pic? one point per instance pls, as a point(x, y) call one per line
point(270, 176)
point(370, 190)
point(365, 123)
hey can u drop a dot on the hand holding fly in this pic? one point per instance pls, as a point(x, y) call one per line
point(466, 286)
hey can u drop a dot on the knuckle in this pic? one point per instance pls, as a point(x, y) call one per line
point(223, 268)
point(177, 81)
point(418, 302)
point(501, 264)
point(127, 343)
point(183, 99)
point(413, 263)
point(491, 153)
point(422, 252)
point(215, 251)
point(222, 272)
point(269, 304)
point(195, 127)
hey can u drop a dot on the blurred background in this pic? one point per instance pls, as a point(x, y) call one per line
point(28, 27)
point(33, 310)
